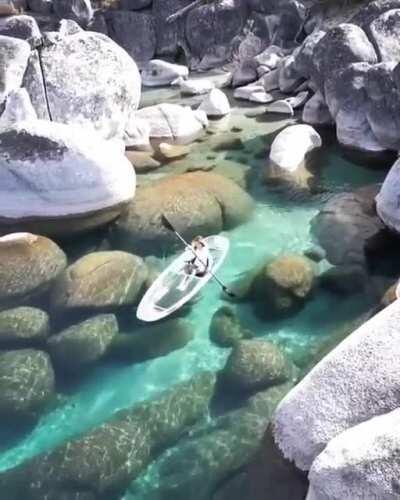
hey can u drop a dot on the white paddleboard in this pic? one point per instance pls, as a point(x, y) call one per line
point(165, 297)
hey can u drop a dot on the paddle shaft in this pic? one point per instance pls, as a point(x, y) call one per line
point(224, 288)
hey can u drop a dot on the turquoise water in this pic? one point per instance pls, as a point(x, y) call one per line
point(279, 225)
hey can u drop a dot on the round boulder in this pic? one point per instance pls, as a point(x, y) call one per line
point(226, 329)
point(84, 343)
point(195, 203)
point(216, 104)
point(28, 266)
point(23, 326)
point(283, 284)
point(90, 80)
point(69, 178)
point(26, 383)
point(254, 365)
point(101, 280)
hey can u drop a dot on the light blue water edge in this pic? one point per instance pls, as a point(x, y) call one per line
point(279, 225)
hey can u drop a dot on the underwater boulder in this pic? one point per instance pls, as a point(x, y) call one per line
point(226, 329)
point(191, 87)
point(135, 32)
point(14, 54)
point(356, 381)
point(29, 265)
point(82, 344)
point(351, 219)
point(151, 341)
point(283, 284)
point(26, 383)
point(195, 467)
point(361, 462)
point(105, 460)
point(344, 280)
point(173, 123)
point(81, 88)
point(254, 365)
point(69, 178)
point(157, 73)
point(100, 280)
point(195, 203)
point(23, 326)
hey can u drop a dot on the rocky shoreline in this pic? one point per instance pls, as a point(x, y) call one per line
point(91, 156)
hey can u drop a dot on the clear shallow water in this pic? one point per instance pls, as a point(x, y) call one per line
point(278, 226)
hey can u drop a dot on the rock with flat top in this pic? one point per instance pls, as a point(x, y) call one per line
point(157, 73)
point(281, 106)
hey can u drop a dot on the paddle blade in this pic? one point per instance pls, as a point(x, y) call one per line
point(166, 223)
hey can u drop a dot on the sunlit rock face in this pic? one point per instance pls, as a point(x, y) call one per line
point(69, 178)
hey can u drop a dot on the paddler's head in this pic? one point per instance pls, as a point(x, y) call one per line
point(198, 243)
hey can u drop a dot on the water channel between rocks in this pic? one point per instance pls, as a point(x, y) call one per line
point(280, 225)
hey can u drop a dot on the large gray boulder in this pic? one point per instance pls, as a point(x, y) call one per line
point(29, 264)
point(80, 11)
point(303, 57)
point(372, 10)
point(105, 460)
point(14, 54)
point(387, 199)
point(210, 30)
point(69, 178)
point(384, 34)
point(90, 80)
point(361, 462)
point(342, 45)
point(26, 383)
point(353, 383)
point(135, 32)
point(82, 344)
point(347, 227)
point(169, 35)
point(23, 27)
point(101, 280)
point(382, 87)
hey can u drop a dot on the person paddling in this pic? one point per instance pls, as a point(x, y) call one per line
point(197, 261)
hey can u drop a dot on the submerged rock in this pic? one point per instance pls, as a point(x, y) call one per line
point(135, 32)
point(70, 180)
point(195, 203)
point(23, 326)
point(83, 344)
point(172, 122)
point(283, 284)
point(29, 264)
point(151, 341)
point(216, 104)
point(14, 54)
point(361, 462)
point(226, 329)
point(353, 383)
point(194, 87)
point(26, 383)
point(172, 151)
point(105, 460)
point(351, 219)
point(158, 73)
point(210, 453)
point(81, 88)
point(100, 280)
point(254, 365)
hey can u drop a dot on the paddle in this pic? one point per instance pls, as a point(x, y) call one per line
point(166, 223)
